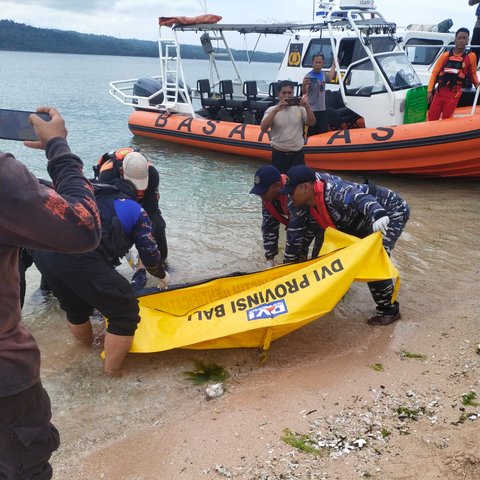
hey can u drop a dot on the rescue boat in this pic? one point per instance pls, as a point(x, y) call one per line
point(376, 105)
point(448, 148)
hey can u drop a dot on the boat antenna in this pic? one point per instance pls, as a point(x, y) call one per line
point(324, 6)
point(203, 4)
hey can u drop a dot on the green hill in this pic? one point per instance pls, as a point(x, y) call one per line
point(25, 38)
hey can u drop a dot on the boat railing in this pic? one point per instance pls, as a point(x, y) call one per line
point(475, 100)
point(122, 90)
point(363, 28)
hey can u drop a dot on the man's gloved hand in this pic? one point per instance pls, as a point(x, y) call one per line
point(381, 225)
point(164, 282)
point(269, 263)
point(139, 279)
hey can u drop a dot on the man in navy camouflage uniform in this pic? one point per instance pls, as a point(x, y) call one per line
point(275, 211)
point(357, 209)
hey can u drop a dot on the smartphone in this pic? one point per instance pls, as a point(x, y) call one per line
point(14, 124)
point(293, 101)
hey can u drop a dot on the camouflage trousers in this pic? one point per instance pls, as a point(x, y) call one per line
point(382, 291)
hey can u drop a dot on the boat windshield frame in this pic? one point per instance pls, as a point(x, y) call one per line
point(364, 29)
point(403, 79)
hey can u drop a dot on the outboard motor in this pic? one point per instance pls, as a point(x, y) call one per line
point(146, 86)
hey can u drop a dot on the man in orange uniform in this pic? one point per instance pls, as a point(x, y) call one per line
point(449, 74)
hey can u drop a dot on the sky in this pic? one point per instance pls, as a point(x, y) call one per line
point(138, 19)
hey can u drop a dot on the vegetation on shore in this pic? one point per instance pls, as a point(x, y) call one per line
point(25, 38)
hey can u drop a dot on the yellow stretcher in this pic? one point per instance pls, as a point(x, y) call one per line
point(251, 310)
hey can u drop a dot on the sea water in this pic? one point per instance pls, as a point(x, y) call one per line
point(213, 228)
point(213, 224)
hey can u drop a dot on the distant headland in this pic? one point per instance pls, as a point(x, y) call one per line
point(25, 38)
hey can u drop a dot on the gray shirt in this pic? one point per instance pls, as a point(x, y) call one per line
point(287, 128)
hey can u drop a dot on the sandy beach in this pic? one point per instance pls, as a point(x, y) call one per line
point(372, 402)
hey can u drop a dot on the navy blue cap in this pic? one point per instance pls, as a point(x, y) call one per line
point(295, 176)
point(264, 178)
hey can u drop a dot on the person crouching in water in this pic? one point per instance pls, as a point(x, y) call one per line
point(276, 210)
point(109, 169)
point(356, 209)
point(89, 281)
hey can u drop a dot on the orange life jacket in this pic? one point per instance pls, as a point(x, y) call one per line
point(114, 161)
point(283, 200)
point(106, 161)
point(319, 211)
point(455, 70)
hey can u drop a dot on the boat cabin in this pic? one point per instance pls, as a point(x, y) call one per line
point(372, 80)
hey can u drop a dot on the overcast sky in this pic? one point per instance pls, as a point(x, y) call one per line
point(138, 19)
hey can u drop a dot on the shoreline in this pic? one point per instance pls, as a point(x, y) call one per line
point(239, 434)
point(154, 424)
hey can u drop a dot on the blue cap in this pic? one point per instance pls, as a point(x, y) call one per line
point(295, 176)
point(264, 178)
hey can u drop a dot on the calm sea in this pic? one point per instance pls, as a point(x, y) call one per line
point(213, 228)
point(213, 224)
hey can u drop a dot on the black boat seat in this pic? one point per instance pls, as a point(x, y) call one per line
point(226, 90)
point(273, 90)
point(254, 104)
point(250, 90)
point(235, 106)
point(338, 114)
point(210, 104)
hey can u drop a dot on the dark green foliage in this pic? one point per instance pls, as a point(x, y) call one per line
point(416, 356)
point(25, 38)
point(378, 367)
point(412, 413)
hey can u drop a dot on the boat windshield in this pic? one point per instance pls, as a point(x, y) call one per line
point(350, 50)
point(363, 80)
point(422, 51)
point(398, 71)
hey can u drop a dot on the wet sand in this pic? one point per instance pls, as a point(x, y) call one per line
point(318, 381)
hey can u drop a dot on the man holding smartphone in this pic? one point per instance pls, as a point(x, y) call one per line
point(314, 87)
point(286, 122)
point(31, 215)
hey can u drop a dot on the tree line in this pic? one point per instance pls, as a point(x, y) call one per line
point(25, 38)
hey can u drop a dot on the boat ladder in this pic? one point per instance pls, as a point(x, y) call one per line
point(175, 89)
